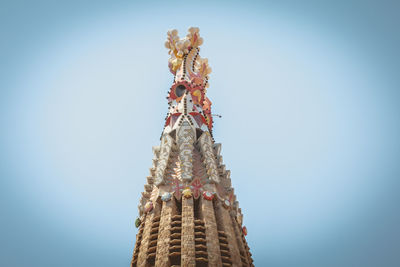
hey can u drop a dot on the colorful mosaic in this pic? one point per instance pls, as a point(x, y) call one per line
point(187, 96)
point(188, 161)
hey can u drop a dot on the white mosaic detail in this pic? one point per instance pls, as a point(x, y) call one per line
point(165, 151)
point(209, 157)
point(185, 140)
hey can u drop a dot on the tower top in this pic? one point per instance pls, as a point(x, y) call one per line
point(188, 212)
point(187, 97)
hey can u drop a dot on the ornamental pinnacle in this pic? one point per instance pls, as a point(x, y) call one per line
point(188, 212)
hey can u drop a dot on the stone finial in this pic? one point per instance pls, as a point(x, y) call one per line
point(185, 61)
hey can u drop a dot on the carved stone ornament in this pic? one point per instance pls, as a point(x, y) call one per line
point(137, 222)
point(187, 192)
point(244, 230)
point(166, 196)
point(148, 207)
point(226, 203)
point(208, 195)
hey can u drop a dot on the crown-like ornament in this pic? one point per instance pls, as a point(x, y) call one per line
point(185, 62)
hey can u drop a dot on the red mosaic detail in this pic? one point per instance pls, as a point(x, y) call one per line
point(244, 230)
point(196, 187)
point(177, 186)
point(173, 94)
point(208, 195)
point(198, 118)
point(175, 117)
point(231, 196)
point(167, 121)
point(207, 112)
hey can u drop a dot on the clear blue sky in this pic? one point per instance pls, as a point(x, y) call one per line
point(309, 97)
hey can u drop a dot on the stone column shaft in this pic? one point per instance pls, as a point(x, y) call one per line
point(188, 249)
point(208, 214)
point(142, 257)
point(164, 234)
point(225, 222)
point(239, 239)
point(145, 240)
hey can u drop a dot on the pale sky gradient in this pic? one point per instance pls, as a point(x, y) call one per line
point(309, 98)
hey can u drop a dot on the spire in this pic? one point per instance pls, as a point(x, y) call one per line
point(187, 97)
point(188, 212)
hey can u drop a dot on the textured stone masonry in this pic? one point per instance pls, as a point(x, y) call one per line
point(225, 223)
point(145, 240)
point(146, 235)
point(188, 249)
point(208, 215)
point(164, 233)
point(239, 241)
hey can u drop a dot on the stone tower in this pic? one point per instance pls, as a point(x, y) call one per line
point(188, 212)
